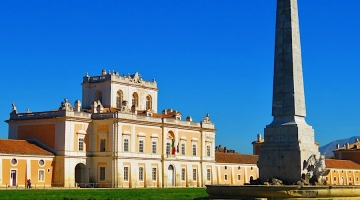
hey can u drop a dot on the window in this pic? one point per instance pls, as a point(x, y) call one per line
point(334, 178)
point(14, 161)
point(135, 99)
point(208, 174)
point(167, 148)
point(148, 102)
point(225, 167)
point(98, 96)
point(141, 174)
point(153, 146)
point(357, 179)
point(208, 150)
point(350, 179)
point(41, 162)
point(41, 175)
point(225, 177)
point(126, 173)
point(183, 173)
point(239, 168)
point(194, 149)
point(102, 174)
point(251, 168)
point(81, 144)
point(102, 145)
point(119, 99)
point(194, 174)
point(153, 174)
point(141, 146)
point(239, 177)
point(183, 148)
point(327, 178)
point(126, 145)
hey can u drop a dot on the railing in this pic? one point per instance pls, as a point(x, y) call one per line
point(123, 79)
point(72, 185)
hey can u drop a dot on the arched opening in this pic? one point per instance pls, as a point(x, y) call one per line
point(135, 99)
point(148, 102)
point(171, 179)
point(98, 96)
point(170, 145)
point(80, 179)
point(119, 99)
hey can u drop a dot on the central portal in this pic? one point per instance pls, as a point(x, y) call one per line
point(171, 175)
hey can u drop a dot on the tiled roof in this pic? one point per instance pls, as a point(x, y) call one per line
point(235, 158)
point(341, 164)
point(22, 147)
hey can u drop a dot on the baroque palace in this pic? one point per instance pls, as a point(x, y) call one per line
point(116, 138)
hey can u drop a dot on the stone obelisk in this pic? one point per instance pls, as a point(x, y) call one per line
point(289, 140)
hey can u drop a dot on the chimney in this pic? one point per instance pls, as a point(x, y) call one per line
point(259, 137)
point(77, 105)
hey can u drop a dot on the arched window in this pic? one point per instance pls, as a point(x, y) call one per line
point(148, 102)
point(135, 99)
point(98, 96)
point(119, 99)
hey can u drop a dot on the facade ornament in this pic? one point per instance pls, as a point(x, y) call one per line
point(136, 78)
point(14, 110)
point(124, 107)
point(66, 105)
point(207, 118)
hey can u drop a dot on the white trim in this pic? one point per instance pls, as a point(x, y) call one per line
point(141, 134)
point(126, 133)
point(154, 136)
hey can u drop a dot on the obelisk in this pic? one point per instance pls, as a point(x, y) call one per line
point(288, 140)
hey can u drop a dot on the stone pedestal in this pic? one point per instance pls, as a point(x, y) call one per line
point(287, 144)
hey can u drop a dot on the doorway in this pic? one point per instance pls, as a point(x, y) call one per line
point(171, 175)
point(13, 178)
point(80, 178)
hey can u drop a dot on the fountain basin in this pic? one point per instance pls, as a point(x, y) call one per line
point(282, 192)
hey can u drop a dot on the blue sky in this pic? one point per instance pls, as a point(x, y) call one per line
point(207, 57)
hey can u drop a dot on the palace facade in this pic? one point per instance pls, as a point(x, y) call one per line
point(115, 137)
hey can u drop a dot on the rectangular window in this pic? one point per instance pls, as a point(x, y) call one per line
point(183, 148)
point(350, 179)
point(153, 146)
point(141, 174)
point(225, 177)
point(239, 177)
point(183, 173)
point(102, 174)
point(208, 174)
point(194, 174)
point(208, 150)
point(41, 175)
point(81, 144)
point(126, 173)
point(334, 178)
point(167, 148)
point(102, 145)
point(153, 174)
point(194, 149)
point(126, 145)
point(141, 146)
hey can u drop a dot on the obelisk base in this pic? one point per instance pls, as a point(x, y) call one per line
point(288, 142)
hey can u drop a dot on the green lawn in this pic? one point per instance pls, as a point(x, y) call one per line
point(96, 194)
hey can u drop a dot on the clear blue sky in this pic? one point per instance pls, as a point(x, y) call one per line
point(207, 56)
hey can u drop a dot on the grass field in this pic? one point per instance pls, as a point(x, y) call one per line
point(97, 194)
